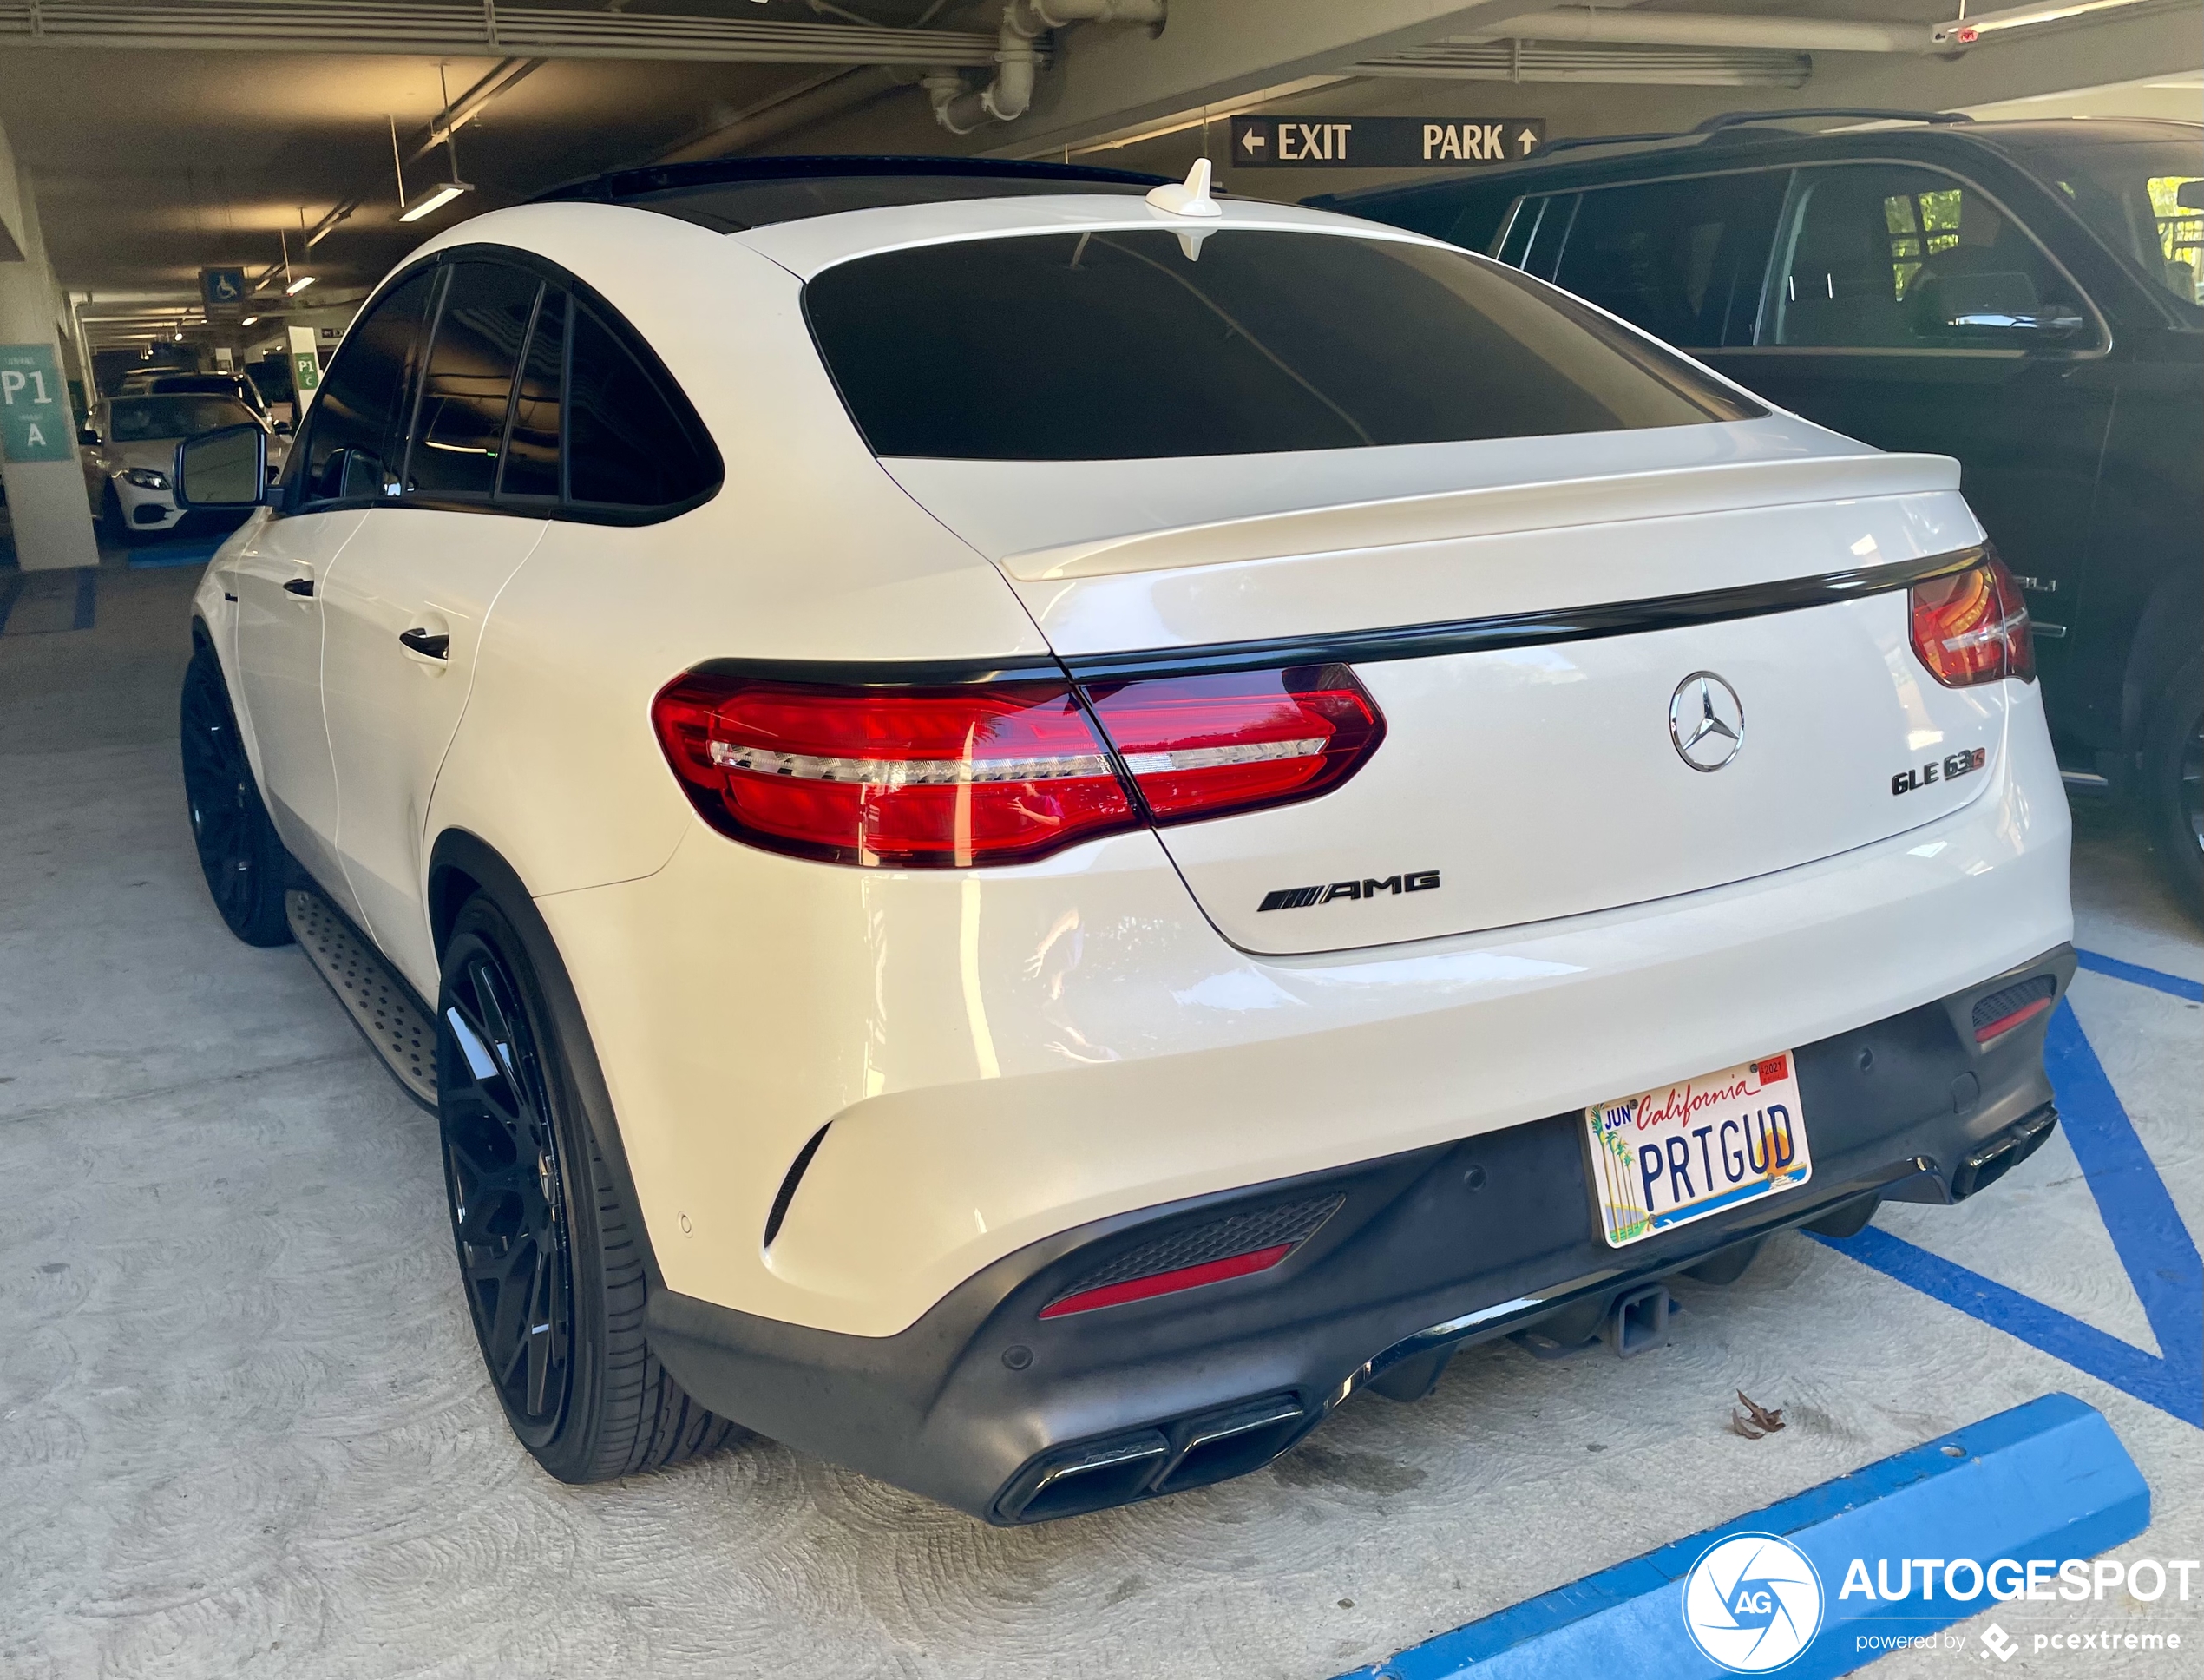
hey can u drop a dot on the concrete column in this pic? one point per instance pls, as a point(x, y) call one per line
point(47, 508)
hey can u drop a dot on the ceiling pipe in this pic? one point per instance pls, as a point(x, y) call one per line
point(960, 110)
point(1681, 28)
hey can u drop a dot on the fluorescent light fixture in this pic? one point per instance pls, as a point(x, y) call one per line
point(1967, 31)
point(248, 320)
point(298, 285)
point(432, 198)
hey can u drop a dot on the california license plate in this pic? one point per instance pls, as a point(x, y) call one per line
point(1669, 1156)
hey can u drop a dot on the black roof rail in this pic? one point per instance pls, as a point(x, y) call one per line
point(1715, 125)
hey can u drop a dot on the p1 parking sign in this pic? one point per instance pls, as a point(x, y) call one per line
point(34, 423)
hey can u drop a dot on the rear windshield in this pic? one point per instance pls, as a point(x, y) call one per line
point(143, 419)
point(1104, 346)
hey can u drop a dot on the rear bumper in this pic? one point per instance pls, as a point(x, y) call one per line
point(907, 1078)
point(987, 1405)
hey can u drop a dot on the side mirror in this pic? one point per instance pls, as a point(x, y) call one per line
point(225, 469)
point(88, 436)
point(2190, 195)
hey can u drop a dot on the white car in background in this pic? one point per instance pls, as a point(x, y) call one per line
point(1048, 827)
point(128, 451)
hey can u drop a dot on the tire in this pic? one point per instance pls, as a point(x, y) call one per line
point(2172, 769)
point(550, 1257)
point(239, 852)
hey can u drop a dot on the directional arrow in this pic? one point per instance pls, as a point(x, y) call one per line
point(1526, 139)
point(1253, 141)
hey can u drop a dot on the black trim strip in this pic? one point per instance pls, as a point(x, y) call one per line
point(890, 673)
point(1546, 627)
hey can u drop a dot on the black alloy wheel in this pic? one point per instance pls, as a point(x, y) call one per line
point(239, 852)
point(507, 1193)
point(550, 1256)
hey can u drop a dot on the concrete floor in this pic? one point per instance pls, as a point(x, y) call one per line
point(244, 1430)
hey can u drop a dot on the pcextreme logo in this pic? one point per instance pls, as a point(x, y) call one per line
point(1752, 1604)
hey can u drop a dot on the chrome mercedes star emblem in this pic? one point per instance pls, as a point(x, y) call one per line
point(1706, 721)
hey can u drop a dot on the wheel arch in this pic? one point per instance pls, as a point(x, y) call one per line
point(460, 864)
point(2166, 636)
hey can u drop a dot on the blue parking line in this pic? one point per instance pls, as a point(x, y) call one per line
point(87, 597)
point(2135, 974)
point(2049, 1480)
point(2154, 1247)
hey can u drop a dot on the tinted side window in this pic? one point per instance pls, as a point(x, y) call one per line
point(459, 430)
point(532, 447)
point(1685, 259)
point(1885, 256)
point(630, 441)
point(354, 426)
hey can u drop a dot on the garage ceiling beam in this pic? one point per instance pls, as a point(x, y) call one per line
point(486, 29)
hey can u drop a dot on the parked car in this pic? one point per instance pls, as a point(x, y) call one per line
point(2023, 296)
point(155, 382)
point(129, 454)
point(1034, 837)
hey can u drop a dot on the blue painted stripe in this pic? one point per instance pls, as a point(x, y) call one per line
point(2046, 1480)
point(87, 597)
point(2084, 1347)
point(2154, 1245)
point(2135, 974)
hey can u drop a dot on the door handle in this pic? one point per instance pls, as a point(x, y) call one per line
point(426, 644)
point(299, 586)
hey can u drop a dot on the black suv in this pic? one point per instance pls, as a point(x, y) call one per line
point(2023, 296)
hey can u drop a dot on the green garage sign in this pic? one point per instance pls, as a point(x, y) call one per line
point(33, 406)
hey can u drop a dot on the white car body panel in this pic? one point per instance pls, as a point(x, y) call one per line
point(391, 712)
point(1015, 1050)
point(276, 677)
point(998, 1054)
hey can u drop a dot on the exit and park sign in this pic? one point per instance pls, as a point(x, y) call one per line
point(1383, 142)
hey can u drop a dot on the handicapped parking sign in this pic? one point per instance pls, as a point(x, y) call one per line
point(221, 288)
point(33, 406)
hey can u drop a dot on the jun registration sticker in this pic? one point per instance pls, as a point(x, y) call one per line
point(1669, 1156)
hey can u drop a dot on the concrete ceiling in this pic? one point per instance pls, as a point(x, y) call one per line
point(147, 164)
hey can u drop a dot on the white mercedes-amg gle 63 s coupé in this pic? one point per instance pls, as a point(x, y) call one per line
point(1027, 826)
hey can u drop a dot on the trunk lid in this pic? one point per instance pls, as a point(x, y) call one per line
point(1529, 770)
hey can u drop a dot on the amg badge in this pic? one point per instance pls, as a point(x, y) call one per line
point(1940, 770)
point(1300, 898)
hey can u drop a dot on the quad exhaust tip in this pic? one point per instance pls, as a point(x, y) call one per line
point(1167, 1458)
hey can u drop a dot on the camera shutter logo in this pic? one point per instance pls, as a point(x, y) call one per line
point(1752, 1604)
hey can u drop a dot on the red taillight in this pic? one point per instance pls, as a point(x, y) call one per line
point(1003, 773)
point(1971, 627)
point(1204, 745)
point(899, 777)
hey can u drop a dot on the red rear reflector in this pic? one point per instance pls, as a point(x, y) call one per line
point(901, 777)
point(2004, 1024)
point(1201, 746)
point(1971, 627)
point(1169, 1283)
